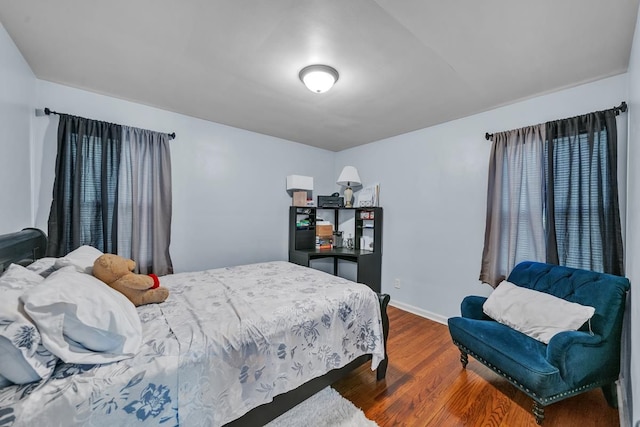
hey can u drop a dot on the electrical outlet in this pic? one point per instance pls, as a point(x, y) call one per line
point(396, 283)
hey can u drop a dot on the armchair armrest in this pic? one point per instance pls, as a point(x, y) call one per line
point(471, 308)
point(577, 354)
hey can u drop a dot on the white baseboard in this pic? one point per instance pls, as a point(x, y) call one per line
point(420, 312)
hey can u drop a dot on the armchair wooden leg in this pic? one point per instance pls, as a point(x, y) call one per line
point(610, 392)
point(538, 412)
point(464, 359)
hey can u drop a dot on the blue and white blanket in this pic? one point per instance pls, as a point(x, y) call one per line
point(226, 340)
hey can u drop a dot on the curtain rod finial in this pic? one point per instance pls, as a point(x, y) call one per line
point(488, 136)
point(623, 107)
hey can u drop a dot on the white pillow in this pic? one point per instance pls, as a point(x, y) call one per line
point(536, 314)
point(82, 259)
point(18, 277)
point(43, 266)
point(82, 320)
point(23, 359)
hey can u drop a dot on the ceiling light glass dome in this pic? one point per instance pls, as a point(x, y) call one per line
point(318, 78)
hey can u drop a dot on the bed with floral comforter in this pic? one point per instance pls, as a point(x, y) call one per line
point(226, 341)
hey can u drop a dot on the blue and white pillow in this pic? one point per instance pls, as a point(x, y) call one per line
point(23, 359)
point(82, 320)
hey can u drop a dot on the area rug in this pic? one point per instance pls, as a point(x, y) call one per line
point(327, 408)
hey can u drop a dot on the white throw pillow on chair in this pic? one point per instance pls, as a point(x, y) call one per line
point(536, 314)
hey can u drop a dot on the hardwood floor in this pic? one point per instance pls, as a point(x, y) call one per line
point(426, 386)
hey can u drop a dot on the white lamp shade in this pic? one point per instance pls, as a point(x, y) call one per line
point(299, 182)
point(318, 78)
point(349, 176)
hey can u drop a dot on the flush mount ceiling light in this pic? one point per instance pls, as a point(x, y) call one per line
point(318, 78)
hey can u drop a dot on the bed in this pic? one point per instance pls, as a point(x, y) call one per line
point(234, 346)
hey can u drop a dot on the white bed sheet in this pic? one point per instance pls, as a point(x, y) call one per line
point(225, 341)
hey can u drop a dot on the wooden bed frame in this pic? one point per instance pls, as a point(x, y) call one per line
point(28, 245)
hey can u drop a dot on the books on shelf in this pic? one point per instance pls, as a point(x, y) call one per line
point(324, 242)
point(303, 224)
point(324, 235)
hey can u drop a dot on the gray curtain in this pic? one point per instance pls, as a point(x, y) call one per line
point(112, 191)
point(85, 186)
point(144, 193)
point(514, 228)
point(583, 215)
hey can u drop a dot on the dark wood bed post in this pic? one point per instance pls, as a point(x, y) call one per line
point(382, 368)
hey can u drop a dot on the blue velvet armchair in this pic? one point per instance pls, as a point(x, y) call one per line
point(573, 361)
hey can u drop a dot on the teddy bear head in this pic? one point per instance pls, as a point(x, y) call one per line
point(110, 267)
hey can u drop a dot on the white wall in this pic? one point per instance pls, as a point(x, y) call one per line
point(433, 185)
point(230, 204)
point(633, 218)
point(17, 90)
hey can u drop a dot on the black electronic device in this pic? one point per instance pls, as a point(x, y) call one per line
point(332, 201)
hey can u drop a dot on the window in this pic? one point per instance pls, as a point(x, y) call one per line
point(557, 204)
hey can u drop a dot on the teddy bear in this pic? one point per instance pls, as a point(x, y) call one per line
point(140, 289)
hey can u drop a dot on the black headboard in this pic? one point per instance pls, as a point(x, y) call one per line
point(22, 247)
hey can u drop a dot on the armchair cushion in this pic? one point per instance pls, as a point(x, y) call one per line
point(493, 343)
point(536, 314)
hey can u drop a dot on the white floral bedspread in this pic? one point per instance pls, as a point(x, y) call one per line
point(225, 341)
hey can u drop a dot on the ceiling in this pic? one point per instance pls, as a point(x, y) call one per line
point(404, 65)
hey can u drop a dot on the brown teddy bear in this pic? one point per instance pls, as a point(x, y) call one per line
point(116, 272)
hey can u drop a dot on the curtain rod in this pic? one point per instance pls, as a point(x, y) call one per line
point(622, 108)
point(48, 111)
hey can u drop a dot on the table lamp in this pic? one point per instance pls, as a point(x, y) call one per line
point(348, 177)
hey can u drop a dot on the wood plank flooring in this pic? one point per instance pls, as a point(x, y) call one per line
point(426, 386)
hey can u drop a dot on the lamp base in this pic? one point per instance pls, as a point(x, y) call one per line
point(348, 195)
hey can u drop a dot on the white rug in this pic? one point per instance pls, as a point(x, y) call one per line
point(327, 408)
